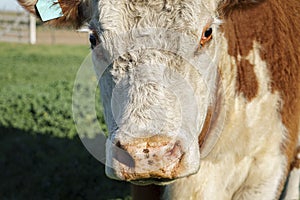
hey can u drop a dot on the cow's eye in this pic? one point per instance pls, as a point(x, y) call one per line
point(206, 36)
point(208, 32)
point(94, 39)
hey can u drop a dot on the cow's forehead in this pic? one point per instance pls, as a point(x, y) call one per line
point(179, 15)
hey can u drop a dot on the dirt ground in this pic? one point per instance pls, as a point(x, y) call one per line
point(47, 35)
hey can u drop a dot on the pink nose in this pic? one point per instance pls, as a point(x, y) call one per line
point(150, 158)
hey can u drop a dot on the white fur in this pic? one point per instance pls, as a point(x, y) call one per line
point(246, 162)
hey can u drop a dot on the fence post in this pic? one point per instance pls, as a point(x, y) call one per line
point(32, 31)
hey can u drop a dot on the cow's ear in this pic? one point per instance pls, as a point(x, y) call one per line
point(72, 12)
point(227, 6)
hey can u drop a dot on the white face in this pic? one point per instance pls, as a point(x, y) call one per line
point(158, 59)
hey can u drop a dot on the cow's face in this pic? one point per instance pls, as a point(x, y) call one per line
point(157, 64)
point(158, 87)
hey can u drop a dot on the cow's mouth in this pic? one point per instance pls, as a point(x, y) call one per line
point(156, 181)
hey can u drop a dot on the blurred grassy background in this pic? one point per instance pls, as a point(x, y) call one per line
point(41, 157)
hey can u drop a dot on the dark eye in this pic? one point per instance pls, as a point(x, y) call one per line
point(208, 32)
point(93, 40)
point(206, 36)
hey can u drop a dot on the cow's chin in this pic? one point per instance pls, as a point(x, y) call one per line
point(157, 160)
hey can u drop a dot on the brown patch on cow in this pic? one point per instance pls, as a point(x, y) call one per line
point(76, 12)
point(73, 11)
point(227, 6)
point(275, 25)
point(246, 80)
point(29, 5)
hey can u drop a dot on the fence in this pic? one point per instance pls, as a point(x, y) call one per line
point(17, 27)
point(21, 27)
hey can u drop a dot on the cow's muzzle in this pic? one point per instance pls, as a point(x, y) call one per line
point(157, 159)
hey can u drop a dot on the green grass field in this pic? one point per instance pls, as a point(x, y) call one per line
point(41, 156)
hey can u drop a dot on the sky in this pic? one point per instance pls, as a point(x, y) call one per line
point(10, 5)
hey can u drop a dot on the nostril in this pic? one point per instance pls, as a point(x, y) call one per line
point(118, 144)
point(122, 155)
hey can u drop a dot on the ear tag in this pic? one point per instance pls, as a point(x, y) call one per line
point(49, 9)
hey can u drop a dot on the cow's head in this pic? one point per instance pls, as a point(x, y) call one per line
point(160, 85)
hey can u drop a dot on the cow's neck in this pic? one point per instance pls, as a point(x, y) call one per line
point(248, 150)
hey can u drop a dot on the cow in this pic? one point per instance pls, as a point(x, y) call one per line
point(201, 98)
